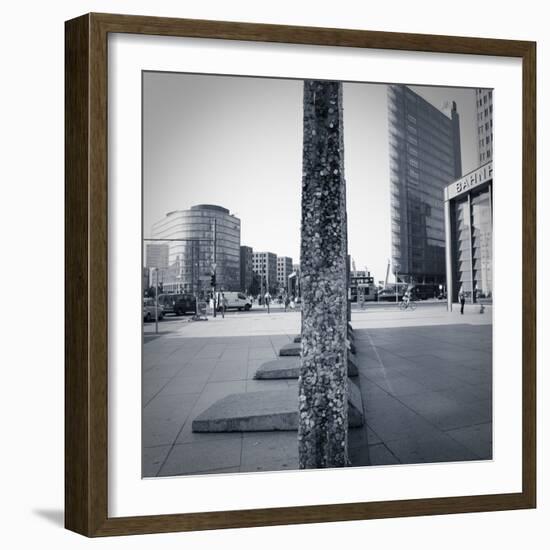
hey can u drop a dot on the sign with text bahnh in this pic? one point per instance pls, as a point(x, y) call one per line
point(468, 182)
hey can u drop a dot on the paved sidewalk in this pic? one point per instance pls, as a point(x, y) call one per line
point(425, 379)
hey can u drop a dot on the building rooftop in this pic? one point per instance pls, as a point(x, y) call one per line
point(202, 207)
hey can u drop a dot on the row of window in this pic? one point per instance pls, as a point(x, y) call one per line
point(425, 118)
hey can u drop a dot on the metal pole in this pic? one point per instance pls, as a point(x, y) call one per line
point(157, 303)
point(196, 286)
point(214, 273)
point(448, 255)
point(471, 240)
point(396, 289)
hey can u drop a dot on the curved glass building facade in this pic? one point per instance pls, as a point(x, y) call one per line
point(199, 238)
point(425, 156)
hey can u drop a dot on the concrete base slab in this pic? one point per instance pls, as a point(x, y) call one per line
point(285, 367)
point(352, 367)
point(288, 368)
point(355, 405)
point(290, 350)
point(267, 410)
point(298, 339)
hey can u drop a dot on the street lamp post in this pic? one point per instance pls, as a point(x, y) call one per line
point(396, 288)
point(157, 302)
point(214, 267)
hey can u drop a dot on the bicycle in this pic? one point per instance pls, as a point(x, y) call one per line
point(407, 305)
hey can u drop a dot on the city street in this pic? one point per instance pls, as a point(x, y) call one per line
point(426, 388)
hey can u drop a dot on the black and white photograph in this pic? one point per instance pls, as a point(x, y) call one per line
point(317, 274)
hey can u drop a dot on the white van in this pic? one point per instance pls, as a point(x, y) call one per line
point(235, 300)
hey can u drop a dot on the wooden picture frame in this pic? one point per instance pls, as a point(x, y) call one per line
point(86, 282)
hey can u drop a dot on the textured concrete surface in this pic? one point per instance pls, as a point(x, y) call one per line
point(289, 367)
point(284, 367)
point(323, 276)
point(267, 410)
point(290, 350)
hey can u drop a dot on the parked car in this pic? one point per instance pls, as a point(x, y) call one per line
point(235, 300)
point(424, 291)
point(179, 304)
point(388, 294)
point(149, 309)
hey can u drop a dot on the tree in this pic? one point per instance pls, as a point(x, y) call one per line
point(323, 406)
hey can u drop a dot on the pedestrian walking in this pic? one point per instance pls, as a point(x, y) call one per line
point(267, 300)
point(223, 304)
point(287, 301)
point(462, 299)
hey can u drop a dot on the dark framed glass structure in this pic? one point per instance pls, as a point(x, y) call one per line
point(425, 156)
point(469, 236)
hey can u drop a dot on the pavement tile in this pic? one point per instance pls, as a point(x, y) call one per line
point(447, 413)
point(435, 448)
point(379, 455)
point(215, 391)
point(152, 459)
point(430, 361)
point(266, 385)
point(269, 451)
point(393, 420)
point(474, 376)
point(183, 385)
point(468, 393)
point(151, 387)
point(432, 380)
point(161, 430)
point(229, 370)
point(163, 370)
point(234, 354)
point(203, 456)
point(186, 435)
point(399, 385)
point(262, 353)
point(478, 438)
point(446, 365)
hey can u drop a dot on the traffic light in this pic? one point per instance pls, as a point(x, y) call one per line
point(213, 279)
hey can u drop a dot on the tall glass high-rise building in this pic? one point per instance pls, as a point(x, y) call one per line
point(424, 144)
point(484, 107)
point(198, 238)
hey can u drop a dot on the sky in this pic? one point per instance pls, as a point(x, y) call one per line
point(237, 142)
